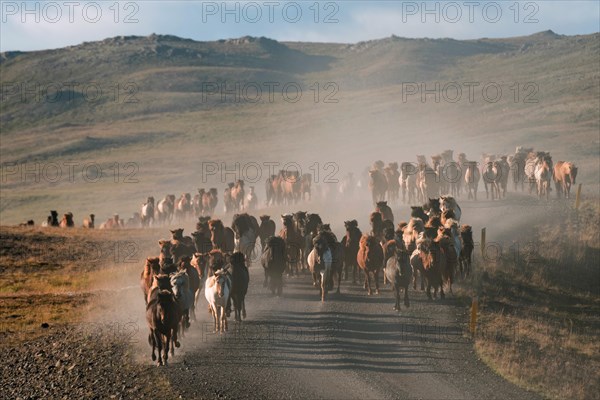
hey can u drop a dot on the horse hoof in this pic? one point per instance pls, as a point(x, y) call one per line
point(177, 344)
point(153, 357)
point(377, 291)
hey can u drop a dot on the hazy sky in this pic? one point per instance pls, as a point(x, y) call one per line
point(53, 24)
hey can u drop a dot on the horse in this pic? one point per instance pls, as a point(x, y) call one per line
point(398, 272)
point(408, 182)
point(370, 260)
point(472, 177)
point(491, 177)
point(376, 221)
point(319, 262)
point(147, 214)
point(165, 209)
point(194, 277)
point(151, 268)
point(245, 228)
point(293, 242)
point(89, 222)
point(266, 229)
point(543, 176)
point(183, 206)
point(449, 203)
point(180, 282)
point(565, 174)
point(466, 252)
point(431, 258)
point(162, 316)
point(273, 260)
point(450, 253)
point(67, 221)
point(503, 169)
point(427, 182)
point(350, 243)
point(217, 290)
point(240, 279)
point(221, 237)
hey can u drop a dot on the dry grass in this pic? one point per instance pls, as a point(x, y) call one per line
point(52, 275)
point(540, 313)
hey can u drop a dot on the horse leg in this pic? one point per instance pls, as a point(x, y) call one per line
point(428, 291)
point(339, 276)
point(244, 308)
point(166, 349)
point(376, 274)
point(368, 282)
point(158, 341)
point(152, 341)
point(442, 295)
point(323, 287)
point(406, 300)
point(354, 268)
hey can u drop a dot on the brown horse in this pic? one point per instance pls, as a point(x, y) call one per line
point(351, 244)
point(370, 260)
point(293, 242)
point(67, 221)
point(89, 222)
point(163, 316)
point(221, 237)
point(151, 268)
point(565, 174)
point(433, 262)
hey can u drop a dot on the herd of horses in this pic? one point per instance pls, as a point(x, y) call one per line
point(411, 183)
point(430, 244)
point(421, 180)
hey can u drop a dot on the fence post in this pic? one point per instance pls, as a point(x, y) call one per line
point(578, 197)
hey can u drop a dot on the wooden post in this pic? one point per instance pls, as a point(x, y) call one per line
point(482, 242)
point(474, 309)
point(578, 197)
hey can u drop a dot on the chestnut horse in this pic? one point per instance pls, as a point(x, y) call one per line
point(370, 260)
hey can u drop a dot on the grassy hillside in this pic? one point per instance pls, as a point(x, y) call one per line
point(167, 126)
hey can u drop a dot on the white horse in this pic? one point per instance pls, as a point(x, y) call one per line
point(217, 290)
point(319, 263)
point(449, 203)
